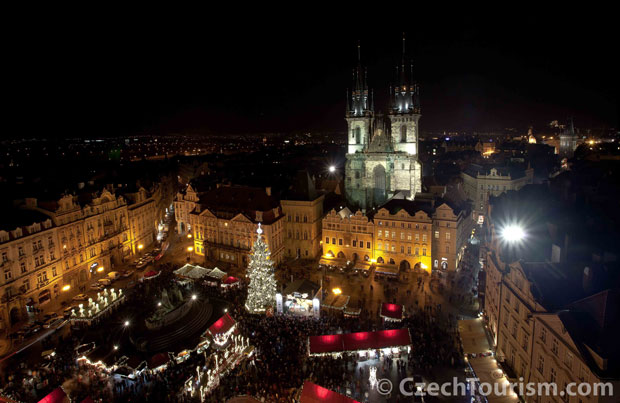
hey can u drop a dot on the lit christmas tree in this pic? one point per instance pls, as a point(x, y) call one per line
point(262, 288)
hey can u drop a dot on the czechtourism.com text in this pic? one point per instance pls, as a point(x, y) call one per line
point(408, 387)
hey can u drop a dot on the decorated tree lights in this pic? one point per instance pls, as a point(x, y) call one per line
point(262, 288)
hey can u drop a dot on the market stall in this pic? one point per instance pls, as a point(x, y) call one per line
point(392, 312)
point(313, 393)
point(222, 329)
point(300, 297)
point(387, 340)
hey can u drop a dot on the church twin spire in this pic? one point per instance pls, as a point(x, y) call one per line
point(404, 97)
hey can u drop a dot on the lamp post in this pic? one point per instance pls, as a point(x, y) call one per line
point(189, 252)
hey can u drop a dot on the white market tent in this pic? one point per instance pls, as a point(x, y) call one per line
point(193, 271)
point(217, 274)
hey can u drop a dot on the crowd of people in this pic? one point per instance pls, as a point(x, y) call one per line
point(275, 372)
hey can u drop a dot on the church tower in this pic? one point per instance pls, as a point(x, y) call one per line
point(382, 158)
point(360, 109)
point(568, 141)
point(405, 109)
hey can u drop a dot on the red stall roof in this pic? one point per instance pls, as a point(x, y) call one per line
point(392, 338)
point(328, 343)
point(392, 311)
point(222, 325)
point(56, 396)
point(334, 343)
point(230, 280)
point(313, 393)
point(358, 341)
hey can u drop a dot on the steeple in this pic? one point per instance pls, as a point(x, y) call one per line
point(360, 104)
point(405, 99)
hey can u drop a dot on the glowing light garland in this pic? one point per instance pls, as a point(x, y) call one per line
point(262, 288)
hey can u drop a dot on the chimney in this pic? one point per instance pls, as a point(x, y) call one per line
point(268, 190)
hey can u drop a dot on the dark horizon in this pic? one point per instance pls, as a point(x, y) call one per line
point(474, 74)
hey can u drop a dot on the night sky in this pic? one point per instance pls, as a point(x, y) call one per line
point(475, 73)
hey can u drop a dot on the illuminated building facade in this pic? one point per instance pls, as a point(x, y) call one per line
point(303, 209)
point(223, 222)
point(67, 243)
point(481, 182)
point(382, 155)
point(568, 141)
point(402, 233)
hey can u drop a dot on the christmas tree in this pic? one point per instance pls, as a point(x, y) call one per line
point(262, 288)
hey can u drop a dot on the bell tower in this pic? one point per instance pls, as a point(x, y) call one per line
point(405, 109)
point(360, 109)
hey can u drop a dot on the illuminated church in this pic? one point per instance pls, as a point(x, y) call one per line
point(382, 155)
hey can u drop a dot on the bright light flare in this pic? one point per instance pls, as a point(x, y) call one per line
point(513, 233)
point(332, 169)
point(337, 291)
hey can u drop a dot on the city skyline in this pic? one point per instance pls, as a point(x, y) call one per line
point(474, 74)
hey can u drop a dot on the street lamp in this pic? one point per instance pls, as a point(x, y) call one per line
point(513, 233)
point(126, 323)
point(332, 169)
point(189, 236)
point(337, 291)
point(140, 247)
point(194, 297)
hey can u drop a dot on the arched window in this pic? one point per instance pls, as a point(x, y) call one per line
point(305, 235)
point(305, 218)
point(358, 135)
point(403, 134)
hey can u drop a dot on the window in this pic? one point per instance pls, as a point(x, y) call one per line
point(26, 285)
point(305, 218)
point(20, 251)
point(417, 237)
point(379, 245)
point(334, 241)
point(417, 251)
point(354, 243)
point(447, 248)
point(526, 340)
point(569, 360)
point(22, 266)
point(436, 234)
point(409, 236)
point(541, 364)
point(543, 335)
point(402, 249)
point(340, 241)
point(424, 238)
point(380, 234)
point(393, 233)
point(326, 238)
point(368, 245)
point(7, 274)
point(554, 346)
point(402, 236)
point(423, 251)
point(514, 330)
point(447, 235)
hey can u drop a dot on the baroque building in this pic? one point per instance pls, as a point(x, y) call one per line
point(382, 154)
point(223, 222)
point(399, 236)
point(52, 249)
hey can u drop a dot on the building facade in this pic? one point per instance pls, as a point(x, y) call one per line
point(482, 182)
point(400, 234)
point(68, 243)
point(303, 209)
point(382, 155)
point(223, 222)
